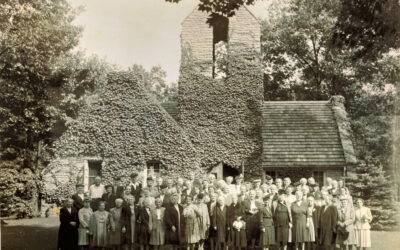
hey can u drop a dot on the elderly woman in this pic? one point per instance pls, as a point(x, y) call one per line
point(157, 226)
point(299, 216)
point(204, 219)
point(143, 220)
point(68, 232)
point(346, 217)
point(117, 224)
point(84, 215)
point(282, 221)
point(192, 231)
point(251, 207)
point(267, 235)
point(129, 238)
point(219, 223)
point(99, 225)
point(363, 217)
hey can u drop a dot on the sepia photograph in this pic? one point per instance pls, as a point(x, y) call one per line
point(199, 124)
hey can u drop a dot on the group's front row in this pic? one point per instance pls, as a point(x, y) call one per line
point(272, 222)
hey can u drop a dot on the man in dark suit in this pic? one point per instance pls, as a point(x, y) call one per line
point(251, 207)
point(174, 223)
point(219, 223)
point(68, 232)
point(136, 186)
point(78, 197)
point(328, 223)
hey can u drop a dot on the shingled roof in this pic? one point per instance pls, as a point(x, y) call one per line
point(303, 133)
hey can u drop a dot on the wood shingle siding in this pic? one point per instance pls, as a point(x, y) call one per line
point(300, 133)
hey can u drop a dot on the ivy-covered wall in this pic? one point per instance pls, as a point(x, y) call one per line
point(125, 128)
point(223, 116)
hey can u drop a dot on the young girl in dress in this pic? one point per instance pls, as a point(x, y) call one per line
point(239, 233)
point(267, 235)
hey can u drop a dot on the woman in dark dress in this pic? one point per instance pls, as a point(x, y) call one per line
point(282, 221)
point(174, 223)
point(267, 234)
point(68, 232)
point(219, 223)
point(299, 215)
point(129, 213)
point(143, 224)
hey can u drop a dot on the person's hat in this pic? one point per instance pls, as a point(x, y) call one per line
point(134, 175)
point(257, 181)
point(268, 177)
point(150, 178)
point(108, 186)
point(163, 186)
point(86, 199)
point(200, 196)
point(79, 185)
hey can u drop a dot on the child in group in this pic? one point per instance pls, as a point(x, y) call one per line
point(267, 235)
point(239, 240)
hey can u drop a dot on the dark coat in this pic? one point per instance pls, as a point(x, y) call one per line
point(329, 218)
point(143, 219)
point(232, 212)
point(219, 221)
point(110, 201)
point(136, 191)
point(252, 220)
point(172, 218)
point(68, 234)
point(282, 218)
point(78, 202)
point(126, 222)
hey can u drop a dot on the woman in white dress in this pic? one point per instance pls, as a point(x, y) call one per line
point(84, 215)
point(362, 227)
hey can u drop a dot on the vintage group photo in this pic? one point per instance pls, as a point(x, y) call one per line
point(199, 124)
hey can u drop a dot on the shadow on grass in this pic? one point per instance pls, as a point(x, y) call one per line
point(29, 237)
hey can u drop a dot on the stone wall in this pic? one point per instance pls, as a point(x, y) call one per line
point(245, 29)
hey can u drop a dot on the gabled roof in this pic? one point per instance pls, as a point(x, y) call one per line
point(302, 133)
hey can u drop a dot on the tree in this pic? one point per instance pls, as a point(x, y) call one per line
point(34, 34)
point(302, 63)
point(370, 26)
point(155, 83)
point(222, 7)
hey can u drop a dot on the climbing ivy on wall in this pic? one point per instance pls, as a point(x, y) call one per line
point(223, 116)
point(125, 127)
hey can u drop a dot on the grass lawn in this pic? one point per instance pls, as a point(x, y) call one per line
point(41, 234)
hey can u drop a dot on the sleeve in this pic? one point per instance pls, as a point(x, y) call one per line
point(334, 219)
point(214, 217)
point(92, 224)
point(112, 222)
point(81, 219)
point(351, 219)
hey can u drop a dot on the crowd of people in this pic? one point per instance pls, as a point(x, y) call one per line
point(214, 214)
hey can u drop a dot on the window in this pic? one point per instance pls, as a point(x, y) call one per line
point(319, 177)
point(220, 25)
point(154, 167)
point(94, 170)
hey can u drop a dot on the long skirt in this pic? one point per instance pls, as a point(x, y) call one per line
point(363, 237)
point(267, 238)
point(83, 236)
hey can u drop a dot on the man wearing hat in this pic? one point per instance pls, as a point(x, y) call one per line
point(256, 184)
point(78, 197)
point(136, 186)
